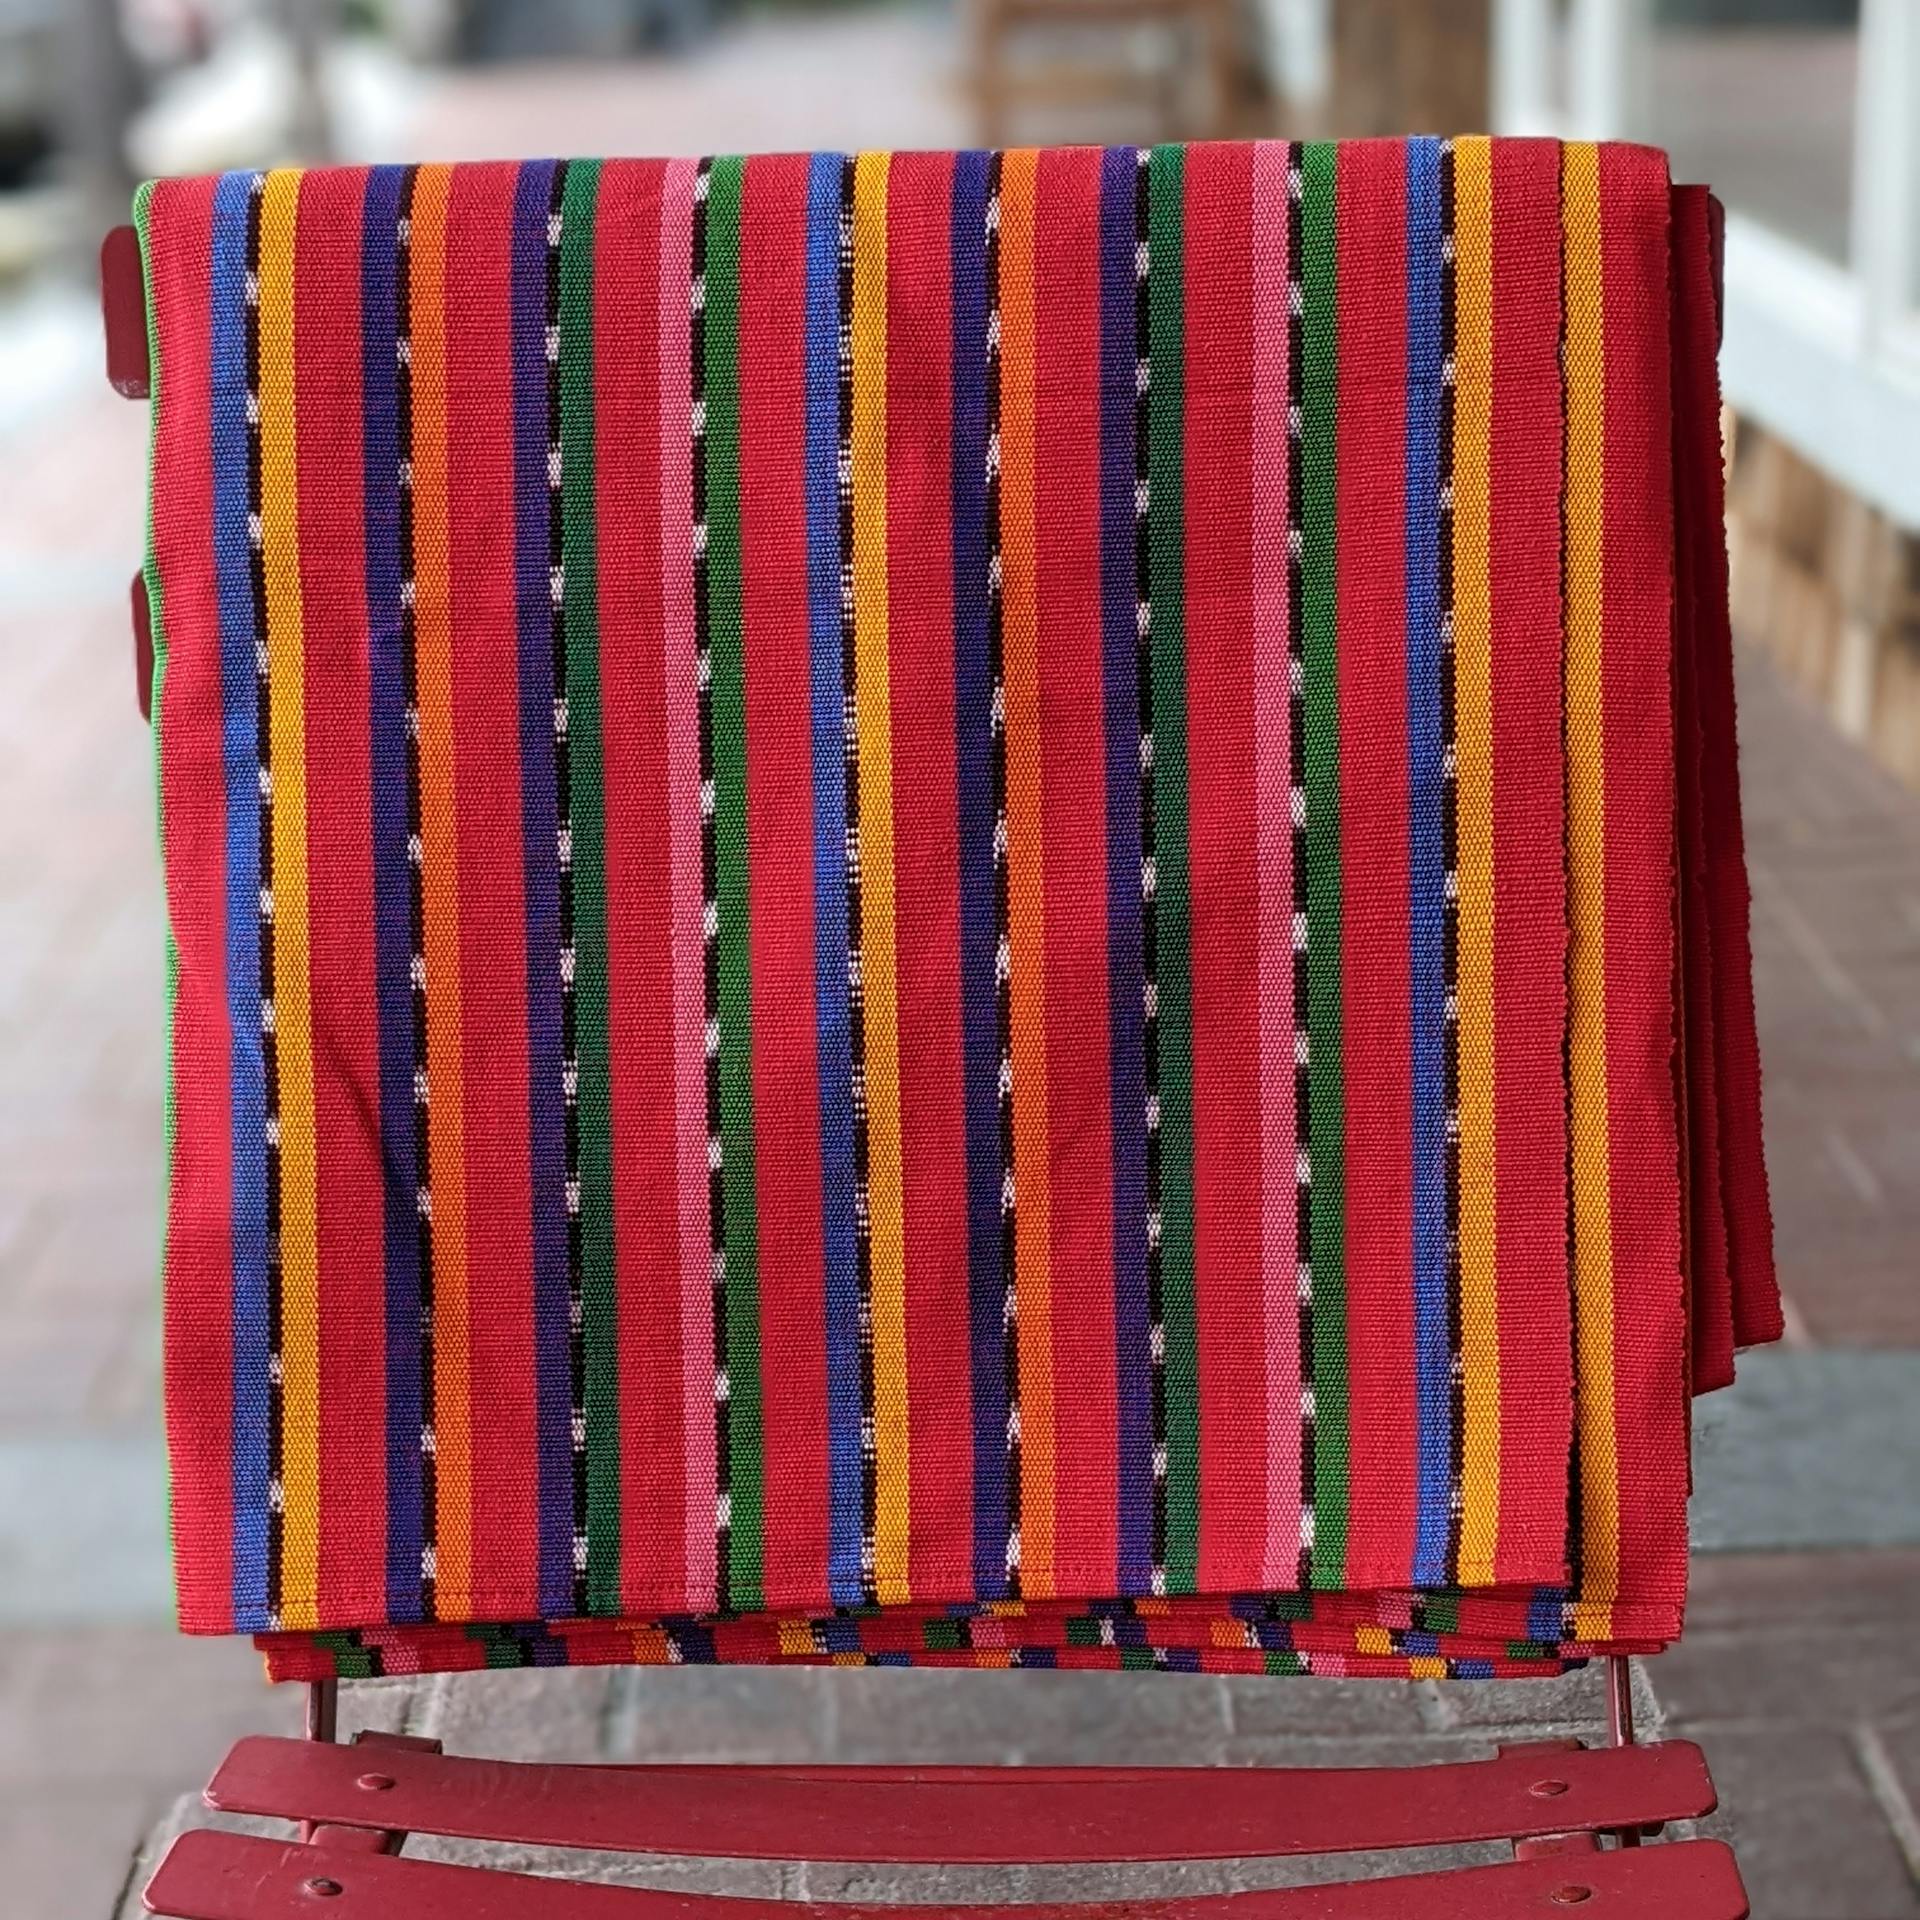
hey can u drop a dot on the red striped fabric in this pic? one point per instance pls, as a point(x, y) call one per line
point(969, 909)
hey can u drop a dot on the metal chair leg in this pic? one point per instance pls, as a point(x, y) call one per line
point(1619, 1701)
point(323, 1710)
point(1620, 1719)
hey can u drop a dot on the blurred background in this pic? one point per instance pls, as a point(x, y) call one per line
point(1798, 1672)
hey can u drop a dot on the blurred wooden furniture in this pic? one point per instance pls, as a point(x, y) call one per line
point(1201, 54)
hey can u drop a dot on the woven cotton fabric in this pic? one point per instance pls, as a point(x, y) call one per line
point(951, 908)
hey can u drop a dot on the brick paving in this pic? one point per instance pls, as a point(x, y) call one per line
point(1796, 1673)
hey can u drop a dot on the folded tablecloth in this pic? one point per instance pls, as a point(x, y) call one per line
point(948, 908)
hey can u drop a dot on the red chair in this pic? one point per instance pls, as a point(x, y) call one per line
point(1575, 1817)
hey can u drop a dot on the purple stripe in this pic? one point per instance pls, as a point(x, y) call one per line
point(980, 1044)
point(1126, 998)
point(392, 926)
point(533, 192)
point(240, 748)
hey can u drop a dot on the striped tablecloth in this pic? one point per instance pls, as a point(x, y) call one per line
point(960, 908)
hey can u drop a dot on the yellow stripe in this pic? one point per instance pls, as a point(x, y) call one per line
point(1586, 891)
point(1026, 873)
point(873, 722)
point(1473, 803)
point(292, 1012)
point(440, 897)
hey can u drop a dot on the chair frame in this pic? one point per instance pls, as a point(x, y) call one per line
point(1574, 1817)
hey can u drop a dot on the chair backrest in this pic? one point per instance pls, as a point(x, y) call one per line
point(924, 906)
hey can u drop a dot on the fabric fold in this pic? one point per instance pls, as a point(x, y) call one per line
point(973, 909)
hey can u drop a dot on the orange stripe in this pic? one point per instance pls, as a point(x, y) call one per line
point(1474, 788)
point(1026, 873)
point(300, 1303)
point(440, 896)
point(1586, 893)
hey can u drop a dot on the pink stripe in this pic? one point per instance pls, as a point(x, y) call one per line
point(683, 813)
point(1273, 811)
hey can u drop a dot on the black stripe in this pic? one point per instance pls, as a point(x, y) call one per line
point(1149, 851)
point(1450, 859)
point(1002, 952)
point(856, 975)
point(1574, 1537)
point(269, 1039)
point(563, 861)
point(709, 892)
point(416, 908)
point(1296, 800)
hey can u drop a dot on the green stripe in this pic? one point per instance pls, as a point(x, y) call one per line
point(1167, 648)
point(599, 1302)
point(156, 617)
point(722, 341)
point(351, 1661)
point(1319, 394)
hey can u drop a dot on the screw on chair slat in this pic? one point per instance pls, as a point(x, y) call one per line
point(225, 1876)
point(968, 1815)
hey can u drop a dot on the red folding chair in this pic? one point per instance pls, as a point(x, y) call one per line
point(1575, 1817)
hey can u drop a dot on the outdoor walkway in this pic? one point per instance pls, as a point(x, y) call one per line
point(1797, 1673)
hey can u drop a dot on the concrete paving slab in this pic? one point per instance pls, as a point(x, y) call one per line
point(83, 1528)
point(1810, 1449)
point(1812, 1840)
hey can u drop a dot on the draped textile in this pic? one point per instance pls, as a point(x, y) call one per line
point(968, 908)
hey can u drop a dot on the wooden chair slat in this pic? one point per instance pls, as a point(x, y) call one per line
point(123, 305)
point(224, 1876)
point(968, 1815)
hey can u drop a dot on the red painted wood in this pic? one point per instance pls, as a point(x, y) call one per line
point(357, 1839)
point(225, 1876)
point(973, 1815)
point(123, 305)
point(142, 647)
point(409, 1742)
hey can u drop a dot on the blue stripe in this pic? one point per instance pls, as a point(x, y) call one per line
point(694, 1640)
point(1426, 871)
point(553, 1413)
point(973, 752)
point(1546, 1619)
point(393, 941)
point(834, 1018)
point(240, 748)
point(1126, 997)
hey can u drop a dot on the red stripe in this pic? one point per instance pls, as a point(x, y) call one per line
point(1648, 1309)
point(633, 729)
point(1530, 903)
point(786, 1102)
point(199, 1324)
point(1709, 1281)
point(1080, 1152)
point(1228, 1289)
point(1734, 1086)
point(926, 865)
point(1376, 930)
point(346, 1066)
point(492, 946)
